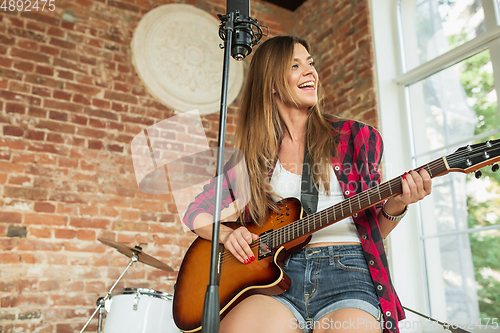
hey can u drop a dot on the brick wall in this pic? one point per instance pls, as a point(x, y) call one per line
point(340, 33)
point(70, 105)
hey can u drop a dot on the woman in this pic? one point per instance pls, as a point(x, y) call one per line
point(340, 280)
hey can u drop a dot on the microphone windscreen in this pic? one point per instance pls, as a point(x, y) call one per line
point(243, 6)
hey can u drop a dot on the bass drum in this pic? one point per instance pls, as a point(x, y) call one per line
point(138, 310)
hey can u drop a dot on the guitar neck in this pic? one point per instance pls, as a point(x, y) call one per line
point(350, 206)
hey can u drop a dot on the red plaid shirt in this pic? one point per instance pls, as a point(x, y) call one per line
point(359, 153)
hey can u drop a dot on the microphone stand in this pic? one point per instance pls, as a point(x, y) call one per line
point(211, 307)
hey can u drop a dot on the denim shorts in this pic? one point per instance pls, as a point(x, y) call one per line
point(325, 279)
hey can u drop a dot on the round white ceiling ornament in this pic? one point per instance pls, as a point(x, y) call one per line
point(176, 53)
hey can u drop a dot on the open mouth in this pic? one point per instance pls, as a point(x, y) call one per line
point(307, 85)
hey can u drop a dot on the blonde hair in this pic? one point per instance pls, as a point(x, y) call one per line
point(260, 127)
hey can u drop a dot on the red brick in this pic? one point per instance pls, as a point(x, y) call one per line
point(115, 148)
point(35, 135)
point(77, 119)
point(97, 123)
point(10, 258)
point(15, 108)
point(5, 62)
point(65, 74)
point(124, 69)
point(19, 87)
point(54, 31)
point(62, 95)
point(88, 60)
point(28, 45)
point(56, 115)
point(62, 43)
point(95, 144)
point(24, 66)
point(11, 217)
point(81, 99)
point(87, 235)
point(113, 95)
point(55, 137)
point(13, 130)
point(36, 57)
point(38, 245)
point(80, 222)
point(56, 126)
point(44, 81)
point(64, 233)
point(7, 40)
point(40, 17)
point(25, 193)
point(50, 50)
point(36, 112)
point(46, 219)
point(20, 180)
point(67, 25)
point(84, 89)
point(9, 167)
point(58, 62)
point(40, 232)
point(11, 74)
point(44, 207)
point(35, 26)
point(91, 133)
point(44, 70)
point(41, 91)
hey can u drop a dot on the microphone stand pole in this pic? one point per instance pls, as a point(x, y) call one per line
point(211, 308)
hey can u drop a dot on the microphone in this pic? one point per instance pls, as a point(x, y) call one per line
point(243, 31)
point(246, 31)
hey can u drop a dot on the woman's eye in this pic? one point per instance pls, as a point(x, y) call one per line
point(295, 66)
point(312, 63)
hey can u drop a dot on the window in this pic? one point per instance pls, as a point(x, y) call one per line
point(451, 58)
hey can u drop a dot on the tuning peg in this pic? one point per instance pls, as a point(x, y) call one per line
point(495, 167)
point(478, 174)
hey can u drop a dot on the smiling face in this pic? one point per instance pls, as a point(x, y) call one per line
point(303, 79)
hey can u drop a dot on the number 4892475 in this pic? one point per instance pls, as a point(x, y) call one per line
point(28, 5)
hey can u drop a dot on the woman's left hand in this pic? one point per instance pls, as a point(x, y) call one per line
point(416, 186)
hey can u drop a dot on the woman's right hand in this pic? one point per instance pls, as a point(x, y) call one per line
point(238, 243)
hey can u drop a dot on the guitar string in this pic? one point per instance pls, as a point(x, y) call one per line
point(295, 227)
point(281, 232)
point(381, 188)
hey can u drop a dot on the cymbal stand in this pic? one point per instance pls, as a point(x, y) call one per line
point(100, 303)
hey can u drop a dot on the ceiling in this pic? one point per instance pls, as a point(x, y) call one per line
point(287, 4)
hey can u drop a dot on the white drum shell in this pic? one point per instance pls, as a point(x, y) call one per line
point(153, 314)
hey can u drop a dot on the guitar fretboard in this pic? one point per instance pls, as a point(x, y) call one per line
point(348, 207)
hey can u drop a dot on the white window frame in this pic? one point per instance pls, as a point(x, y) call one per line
point(405, 242)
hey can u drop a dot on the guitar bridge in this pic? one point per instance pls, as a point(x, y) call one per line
point(265, 244)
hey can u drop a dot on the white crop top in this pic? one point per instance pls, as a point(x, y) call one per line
point(286, 184)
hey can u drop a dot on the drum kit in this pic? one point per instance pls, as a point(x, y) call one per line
point(135, 309)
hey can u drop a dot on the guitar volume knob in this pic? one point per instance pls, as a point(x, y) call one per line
point(495, 167)
point(478, 174)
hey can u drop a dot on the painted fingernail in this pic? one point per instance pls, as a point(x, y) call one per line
point(253, 241)
point(252, 257)
point(245, 262)
point(404, 176)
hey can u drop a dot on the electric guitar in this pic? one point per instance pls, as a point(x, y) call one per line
point(286, 231)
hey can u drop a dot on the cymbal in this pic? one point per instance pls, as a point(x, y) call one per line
point(142, 257)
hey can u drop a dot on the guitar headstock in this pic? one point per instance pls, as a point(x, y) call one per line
point(473, 157)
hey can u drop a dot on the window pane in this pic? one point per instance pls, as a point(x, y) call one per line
point(464, 277)
point(433, 27)
point(450, 107)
